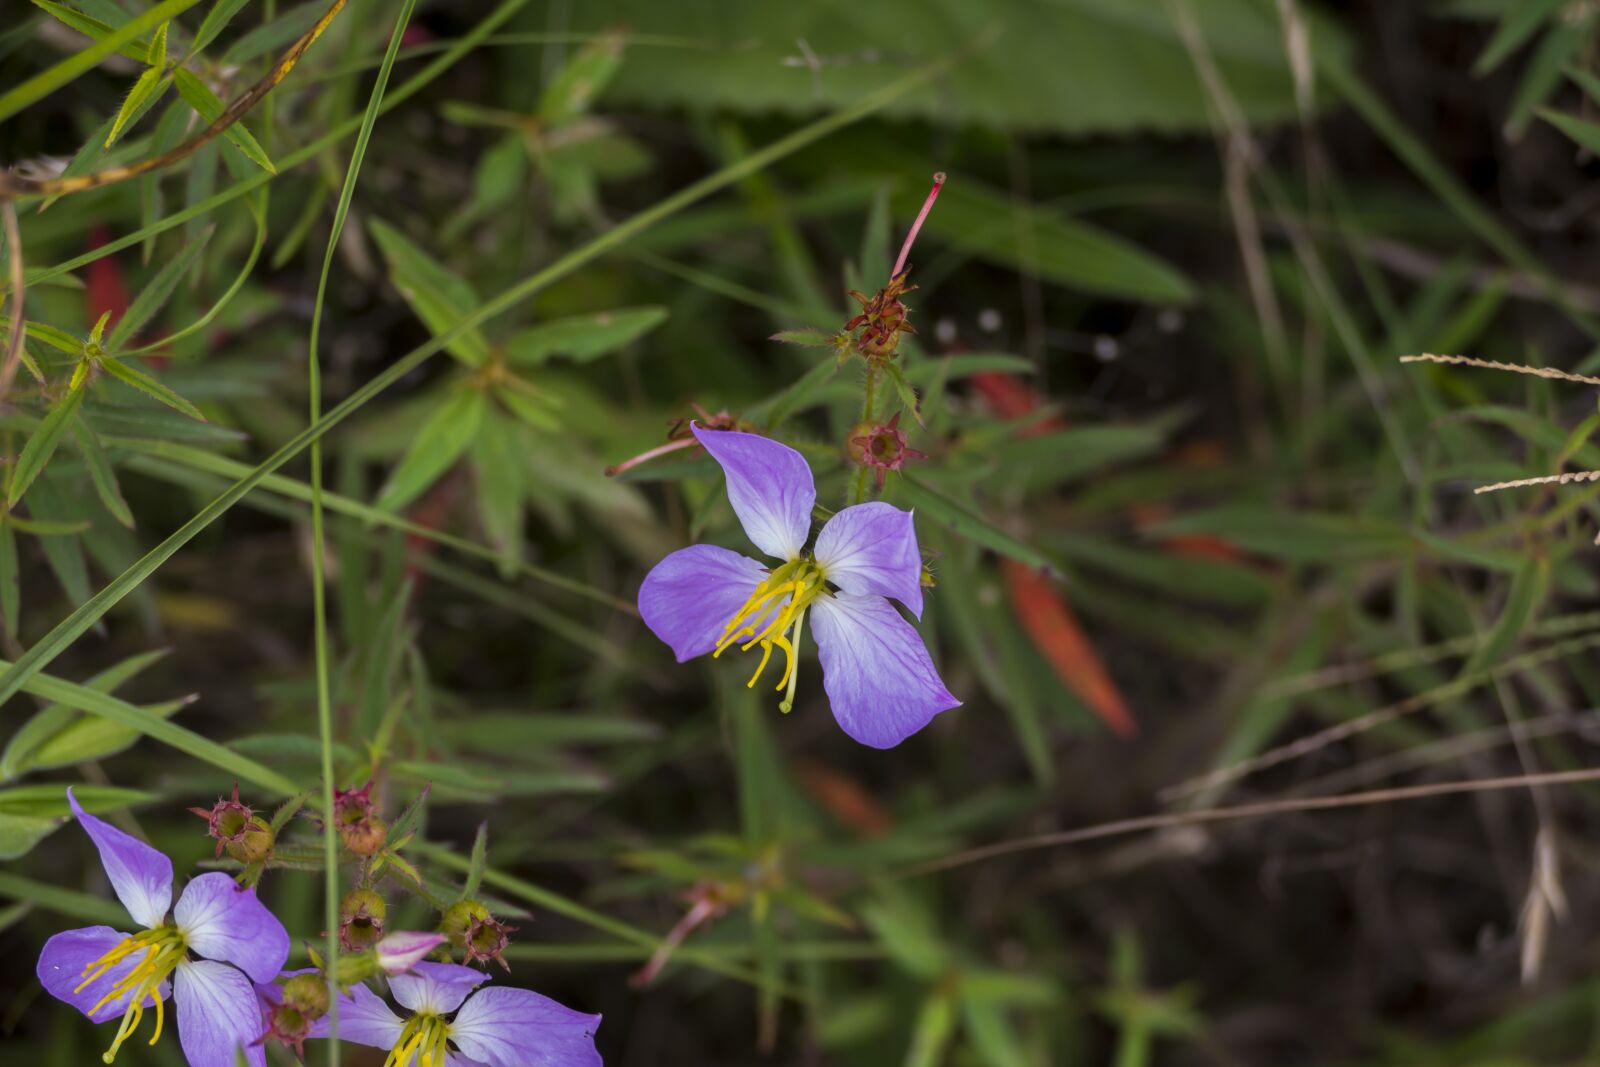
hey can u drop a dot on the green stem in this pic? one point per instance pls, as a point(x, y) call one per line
point(869, 406)
point(319, 596)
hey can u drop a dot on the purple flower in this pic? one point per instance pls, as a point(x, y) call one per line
point(401, 951)
point(877, 673)
point(499, 1027)
point(104, 973)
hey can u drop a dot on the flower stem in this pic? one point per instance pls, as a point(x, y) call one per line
point(869, 406)
point(318, 580)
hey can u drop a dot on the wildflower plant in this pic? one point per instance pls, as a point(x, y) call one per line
point(205, 952)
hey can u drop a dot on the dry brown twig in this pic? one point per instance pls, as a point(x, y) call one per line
point(14, 186)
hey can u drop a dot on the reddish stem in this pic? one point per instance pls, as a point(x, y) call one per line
point(927, 206)
point(670, 446)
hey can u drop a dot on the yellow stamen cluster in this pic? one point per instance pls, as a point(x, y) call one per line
point(423, 1043)
point(163, 950)
point(775, 610)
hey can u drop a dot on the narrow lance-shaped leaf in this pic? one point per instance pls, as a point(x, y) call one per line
point(91, 27)
point(439, 298)
point(583, 337)
point(150, 87)
point(497, 476)
point(199, 96)
point(437, 446)
point(10, 586)
point(42, 445)
point(154, 296)
point(101, 474)
point(216, 21)
point(141, 381)
point(576, 84)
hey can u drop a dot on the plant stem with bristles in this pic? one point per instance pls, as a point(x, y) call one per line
point(1549, 479)
point(1489, 364)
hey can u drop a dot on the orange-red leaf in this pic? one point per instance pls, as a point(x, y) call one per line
point(1050, 624)
point(844, 798)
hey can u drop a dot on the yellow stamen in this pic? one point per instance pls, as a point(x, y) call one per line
point(424, 1039)
point(140, 985)
point(161, 1017)
point(772, 617)
point(766, 654)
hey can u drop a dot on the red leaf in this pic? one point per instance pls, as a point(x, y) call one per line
point(1009, 397)
point(107, 290)
point(1050, 624)
point(845, 798)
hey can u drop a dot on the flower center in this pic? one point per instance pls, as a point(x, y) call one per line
point(775, 615)
point(157, 953)
point(423, 1043)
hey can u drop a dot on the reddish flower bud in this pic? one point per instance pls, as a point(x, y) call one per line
point(471, 929)
point(361, 917)
point(356, 818)
point(232, 823)
point(881, 446)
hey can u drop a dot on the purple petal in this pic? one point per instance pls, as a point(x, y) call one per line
point(688, 598)
point(223, 922)
point(404, 949)
point(141, 876)
point(364, 1019)
point(877, 672)
point(219, 1015)
point(68, 954)
point(507, 1027)
point(436, 987)
point(769, 485)
point(871, 549)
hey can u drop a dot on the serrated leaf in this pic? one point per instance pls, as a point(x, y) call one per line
point(199, 96)
point(439, 442)
point(42, 445)
point(440, 298)
point(1068, 66)
point(145, 92)
point(101, 474)
point(582, 337)
point(154, 296)
point(143, 382)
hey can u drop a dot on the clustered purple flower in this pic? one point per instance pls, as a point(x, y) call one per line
point(220, 952)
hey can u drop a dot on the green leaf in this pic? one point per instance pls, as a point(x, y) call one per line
point(439, 442)
point(141, 381)
point(20, 833)
point(931, 1033)
point(941, 509)
point(156, 56)
point(583, 337)
point(101, 474)
point(575, 86)
point(1521, 23)
point(1584, 132)
point(992, 1034)
point(1529, 585)
point(807, 338)
point(10, 587)
point(154, 296)
point(42, 445)
point(216, 21)
point(145, 92)
point(439, 298)
point(908, 396)
point(907, 933)
point(497, 478)
point(1067, 66)
point(135, 50)
point(199, 96)
point(477, 862)
point(47, 724)
point(49, 800)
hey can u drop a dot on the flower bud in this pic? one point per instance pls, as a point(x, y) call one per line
point(228, 821)
point(356, 818)
point(401, 951)
point(881, 446)
point(361, 916)
point(255, 842)
point(300, 1002)
point(471, 929)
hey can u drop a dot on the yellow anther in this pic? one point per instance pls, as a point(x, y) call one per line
point(766, 654)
